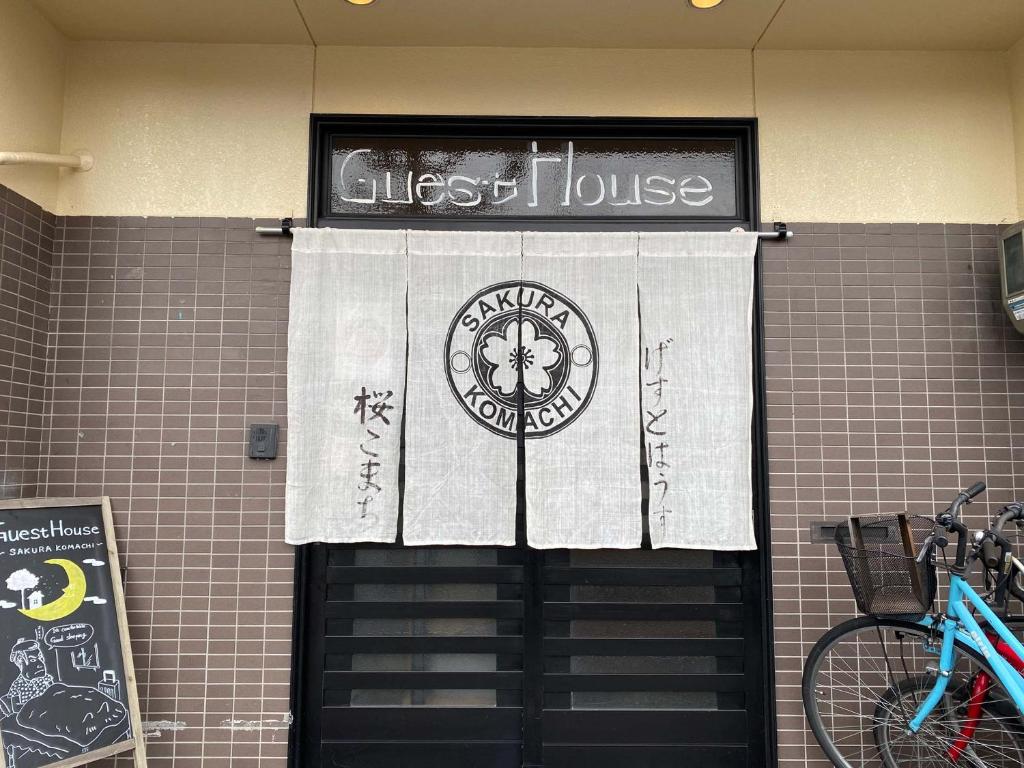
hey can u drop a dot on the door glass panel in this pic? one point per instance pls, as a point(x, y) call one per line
point(640, 628)
point(425, 627)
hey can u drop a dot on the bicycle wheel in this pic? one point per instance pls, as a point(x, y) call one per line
point(860, 685)
point(993, 742)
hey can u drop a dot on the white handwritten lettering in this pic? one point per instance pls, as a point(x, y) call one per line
point(344, 184)
point(565, 178)
point(684, 190)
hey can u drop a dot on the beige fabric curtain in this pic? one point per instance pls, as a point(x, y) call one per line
point(696, 298)
point(460, 460)
point(596, 337)
point(346, 381)
point(582, 477)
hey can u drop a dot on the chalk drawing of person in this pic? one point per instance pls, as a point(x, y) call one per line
point(33, 679)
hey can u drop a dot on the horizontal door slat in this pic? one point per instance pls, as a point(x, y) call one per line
point(643, 611)
point(336, 662)
point(698, 577)
point(421, 754)
point(580, 726)
point(647, 646)
point(446, 609)
point(343, 698)
point(423, 723)
point(344, 554)
point(484, 574)
point(637, 756)
point(346, 681)
point(644, 682)
point(422, 644)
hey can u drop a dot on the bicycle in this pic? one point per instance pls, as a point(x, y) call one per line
point(906, 685)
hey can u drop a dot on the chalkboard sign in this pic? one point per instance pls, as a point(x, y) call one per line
point(67, 689)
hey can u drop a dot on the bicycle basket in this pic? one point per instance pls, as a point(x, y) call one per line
point(879, 553)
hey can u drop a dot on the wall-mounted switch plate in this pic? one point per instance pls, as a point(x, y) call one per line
point(263, 441)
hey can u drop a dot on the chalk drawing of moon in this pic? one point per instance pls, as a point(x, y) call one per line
point(66, 604)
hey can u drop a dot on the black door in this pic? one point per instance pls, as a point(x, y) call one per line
point(459, 656)
point(501, 657)
point(414, 657)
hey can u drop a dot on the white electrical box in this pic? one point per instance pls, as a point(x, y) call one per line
point(1011, 270)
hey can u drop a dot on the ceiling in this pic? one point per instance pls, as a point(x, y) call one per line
point(778, 24)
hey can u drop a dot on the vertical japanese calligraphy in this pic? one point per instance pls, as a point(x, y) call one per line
point(656, 417)
point(371, 406)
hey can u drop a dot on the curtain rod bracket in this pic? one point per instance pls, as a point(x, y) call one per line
point(284, 229)
point(779, 232)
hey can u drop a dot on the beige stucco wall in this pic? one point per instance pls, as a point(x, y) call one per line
point(540, 81)
point(1016, 70)
point(223, 129)
point(885, 136)
point(32, 63)
point(191, 129)
point(188, 129)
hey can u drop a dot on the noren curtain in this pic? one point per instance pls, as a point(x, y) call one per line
point(346, 385)
point(460, 471)
point(582, 478)
point(696, 299)
point(577, 345)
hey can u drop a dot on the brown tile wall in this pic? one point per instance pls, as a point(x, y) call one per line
point(26, 255)
point(168, 338)
point(894, 380)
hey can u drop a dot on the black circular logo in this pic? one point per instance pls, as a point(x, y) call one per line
point(521, 339)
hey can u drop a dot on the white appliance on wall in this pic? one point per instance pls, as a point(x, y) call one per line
point(1011, 271)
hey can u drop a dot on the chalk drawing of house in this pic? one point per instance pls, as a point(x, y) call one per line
point(35, 599)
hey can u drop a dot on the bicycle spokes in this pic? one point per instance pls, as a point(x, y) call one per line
point(867, 685)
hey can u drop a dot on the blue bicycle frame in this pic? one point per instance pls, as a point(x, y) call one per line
point(960, 624)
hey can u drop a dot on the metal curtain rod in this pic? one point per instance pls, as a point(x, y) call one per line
point(781, 231)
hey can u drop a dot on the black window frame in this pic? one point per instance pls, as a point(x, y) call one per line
point(744, 131)
point(324, 127)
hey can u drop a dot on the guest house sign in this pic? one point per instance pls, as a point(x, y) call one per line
point(531, 177)
point(67, 683)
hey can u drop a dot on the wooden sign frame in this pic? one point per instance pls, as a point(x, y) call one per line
point(138, 742)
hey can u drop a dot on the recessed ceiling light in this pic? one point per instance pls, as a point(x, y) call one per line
point(371, 2)
point(702, 4)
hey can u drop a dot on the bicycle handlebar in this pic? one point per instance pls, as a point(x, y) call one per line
point(1014, 511)
point(964, 497)
point(989, 545)
point(975, 490)
point(950, 521)
point(994, 549)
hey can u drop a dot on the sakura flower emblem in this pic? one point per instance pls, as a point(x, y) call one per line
point(521, 359)
point(519, 347)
